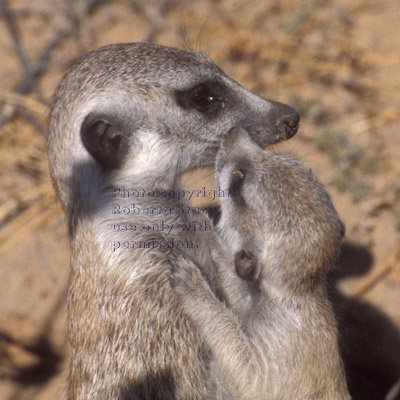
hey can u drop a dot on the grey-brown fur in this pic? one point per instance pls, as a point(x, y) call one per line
point(138, 115)
point(280, 340)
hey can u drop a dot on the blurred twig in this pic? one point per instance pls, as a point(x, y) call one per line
point(38, 214)
point(26, 102)
point(379, 273)
point(38, 67)
point(42, 62)
point(9, 20)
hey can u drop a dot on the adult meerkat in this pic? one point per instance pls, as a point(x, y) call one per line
point(136, 116)
point(280, 342)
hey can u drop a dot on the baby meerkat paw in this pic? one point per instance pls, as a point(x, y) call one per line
point(184, 274)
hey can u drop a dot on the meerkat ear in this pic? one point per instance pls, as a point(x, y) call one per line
point(105, 139)
point(246, 265)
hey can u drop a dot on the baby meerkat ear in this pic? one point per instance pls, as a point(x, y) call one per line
point(246, 265)
point(105, 139)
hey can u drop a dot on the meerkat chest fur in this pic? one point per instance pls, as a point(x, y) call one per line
point(129, 317)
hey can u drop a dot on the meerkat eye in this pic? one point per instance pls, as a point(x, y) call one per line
point(203, 98)
point(236, 186)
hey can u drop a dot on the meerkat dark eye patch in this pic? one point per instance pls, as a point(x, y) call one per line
point(207, 98)
point(246, 265)
point(105, 140)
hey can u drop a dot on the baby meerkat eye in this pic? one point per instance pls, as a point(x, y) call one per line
point(236, 186)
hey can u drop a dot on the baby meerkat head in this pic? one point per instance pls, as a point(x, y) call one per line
point(278, 221)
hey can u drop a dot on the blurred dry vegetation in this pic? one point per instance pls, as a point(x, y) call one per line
point(337, 62)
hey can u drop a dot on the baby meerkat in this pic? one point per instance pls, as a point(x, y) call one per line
point(284, 233)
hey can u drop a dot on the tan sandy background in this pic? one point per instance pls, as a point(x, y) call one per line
point(337, 62)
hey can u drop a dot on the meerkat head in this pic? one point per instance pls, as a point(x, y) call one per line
point(138, 110)
point(278, 220)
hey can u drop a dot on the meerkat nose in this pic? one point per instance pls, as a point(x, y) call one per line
point(287, 125)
